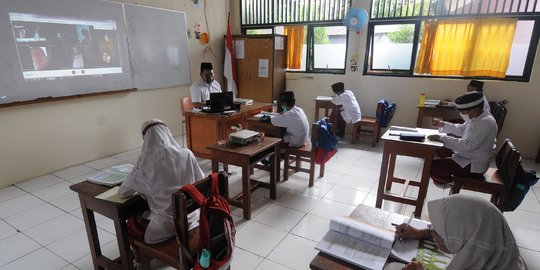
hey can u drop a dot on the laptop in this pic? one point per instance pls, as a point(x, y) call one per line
point(220, 102)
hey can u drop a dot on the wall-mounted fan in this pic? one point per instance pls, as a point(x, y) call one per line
point(355, 19)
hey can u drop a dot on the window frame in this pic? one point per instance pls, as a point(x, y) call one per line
point(527, 70)
point(310, 46)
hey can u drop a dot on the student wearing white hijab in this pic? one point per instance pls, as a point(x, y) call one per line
point(163, 167)
point(472, 229)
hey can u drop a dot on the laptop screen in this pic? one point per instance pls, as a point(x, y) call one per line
point(220, 102)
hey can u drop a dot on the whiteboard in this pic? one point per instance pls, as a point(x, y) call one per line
point(158, 47)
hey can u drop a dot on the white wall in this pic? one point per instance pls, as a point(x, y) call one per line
point(42, 138)
point(522, 123)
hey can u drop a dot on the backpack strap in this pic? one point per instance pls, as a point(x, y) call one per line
point(214, 184)
point(194, 193)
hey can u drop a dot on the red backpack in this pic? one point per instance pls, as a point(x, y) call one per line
point(216, 227)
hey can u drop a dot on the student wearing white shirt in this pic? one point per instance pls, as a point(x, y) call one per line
point(163, 167)
point(200, 91)
point(293, 119)
point(347, 106)
point(474, 145)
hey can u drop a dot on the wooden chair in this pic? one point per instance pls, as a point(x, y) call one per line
point(499, 181)
point(372, 123)
point(185, 105)
point(168, 251)
point(306, 153)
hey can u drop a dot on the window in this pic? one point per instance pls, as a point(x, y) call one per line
point(324, 47)
point(398, 46)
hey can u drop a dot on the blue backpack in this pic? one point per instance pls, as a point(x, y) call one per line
point(385, 115)
point(327, 140)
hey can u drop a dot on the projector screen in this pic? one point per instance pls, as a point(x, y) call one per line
point(56, 48)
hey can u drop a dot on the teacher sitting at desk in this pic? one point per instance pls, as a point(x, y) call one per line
point(472, 229)
point(200, 91)
point(162, 168)
point(473, 143)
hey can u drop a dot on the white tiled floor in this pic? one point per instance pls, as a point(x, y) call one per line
point(41, 225)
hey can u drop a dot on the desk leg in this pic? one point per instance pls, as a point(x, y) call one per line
point(424, 182)
point(246, 190)
point(92, 234)
point(420, 117)
point(382, 177)
point(274, 174)
point(215, 166)
point(126, 257)
point(390, 177)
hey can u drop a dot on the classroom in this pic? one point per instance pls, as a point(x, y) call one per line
point(48, 146)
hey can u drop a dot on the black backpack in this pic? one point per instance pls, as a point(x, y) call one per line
point(522, 183)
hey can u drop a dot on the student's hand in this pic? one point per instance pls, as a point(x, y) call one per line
point(403, 232)
point(438, 123)
point(434, 137)
point(414, 265)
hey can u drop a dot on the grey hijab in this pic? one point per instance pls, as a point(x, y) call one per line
point(476, 232)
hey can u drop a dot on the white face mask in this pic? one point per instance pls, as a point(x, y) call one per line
point(465, 117)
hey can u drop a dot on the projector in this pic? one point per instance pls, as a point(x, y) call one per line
point(244, 136)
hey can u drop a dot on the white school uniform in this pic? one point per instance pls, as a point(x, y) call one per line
point(476, 143)
point(200, 91)
point(297, 125)
point(351, 110)
point(162, 168)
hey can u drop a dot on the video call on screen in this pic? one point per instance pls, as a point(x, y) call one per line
point(55, 47)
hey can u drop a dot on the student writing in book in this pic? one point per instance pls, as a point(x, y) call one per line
point(348, 108)
point(293, 119)
point(162, 168)
point(200, 90)
point(473, 143)
point(472, 229)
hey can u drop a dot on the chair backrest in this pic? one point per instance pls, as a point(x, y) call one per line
point(314, 136)
point(183, 204)
point(498, 110)
point(507, 160)
point(185, 104)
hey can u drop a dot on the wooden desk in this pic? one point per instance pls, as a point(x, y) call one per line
point(119, 213)
point(254, 123)
point(393, 147)
point(246, 156)
point(203, 129)
point(445, 113)
point(327, 105)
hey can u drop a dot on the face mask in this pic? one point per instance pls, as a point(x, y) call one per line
point(465, 117)
point(284, 108)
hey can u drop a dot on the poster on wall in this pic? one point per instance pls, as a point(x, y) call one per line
point(239, 49)
point(263, 68)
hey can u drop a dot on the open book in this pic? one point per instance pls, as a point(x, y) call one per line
point(111, 176)
point(369, 240)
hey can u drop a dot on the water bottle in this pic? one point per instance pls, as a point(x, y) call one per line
point(204, 259)
point(422, 100)
point(274, 106)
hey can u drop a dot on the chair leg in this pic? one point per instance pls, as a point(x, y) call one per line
point(378, 133)
point(145, 261)
point(355, 128)
point(286, 167)
point(374, 136)
point(311, 172)
point(321, 170)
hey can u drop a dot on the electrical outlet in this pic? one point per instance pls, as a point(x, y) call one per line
point(189, 33)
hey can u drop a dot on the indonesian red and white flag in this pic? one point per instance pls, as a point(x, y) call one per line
point(229, 68)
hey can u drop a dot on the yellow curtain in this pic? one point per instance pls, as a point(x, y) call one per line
point(295, 43)
point(475, 47)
